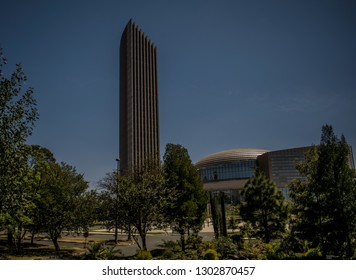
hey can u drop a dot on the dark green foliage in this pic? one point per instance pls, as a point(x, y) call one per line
point(194, 241)
point(18, 111)
point(210, 254)
point(143, 255)
point(18, 114)
point(216, 214)
point(99, 251)
point(38, 160)
point(195, 249)
point(143, 199)
point(263, 207)
point(226, 248)
point(313, 254)
point(60, 200)
point(64, 203)
point(171, 250)
point(272, 251)
point(111, 212)
point(324, 206)
point(237, 238)
point(253, 249)
point(135, 201)
point(35, 192)
point(188, 199)
point(232, 223)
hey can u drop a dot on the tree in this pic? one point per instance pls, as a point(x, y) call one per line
point(263, 206)
point(143, 198)
point(85, 211)
point(18, 206)
point(111, 212)
point(64, 203)
point(18, 114)
point(324, 204)
point(38, 161)
point(188, 204)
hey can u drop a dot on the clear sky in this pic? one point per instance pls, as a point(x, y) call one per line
point(231, 74)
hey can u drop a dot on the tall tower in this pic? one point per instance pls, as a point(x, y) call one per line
point(139, 124)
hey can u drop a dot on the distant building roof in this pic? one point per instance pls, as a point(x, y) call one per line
point(229, 156)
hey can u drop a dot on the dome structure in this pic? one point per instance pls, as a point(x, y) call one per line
point(229, 169)
point(229, 156)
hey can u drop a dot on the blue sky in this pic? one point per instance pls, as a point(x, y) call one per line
point(231, 74)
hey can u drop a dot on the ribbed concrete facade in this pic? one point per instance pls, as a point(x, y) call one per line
point(139, 122)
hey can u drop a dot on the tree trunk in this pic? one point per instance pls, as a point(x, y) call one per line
point(19, 238)
point(55, 243)
point(214, 215)
point(223, 215)
point(142, 234)
point(348, 238)
point(116, 230)
point(129, 236)
point(32, 237)
point(10, 238)
point(143, 239)
point(265, 228)
point(182, 240)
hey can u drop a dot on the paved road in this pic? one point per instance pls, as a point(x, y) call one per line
point(153, 242)
point(127, 248)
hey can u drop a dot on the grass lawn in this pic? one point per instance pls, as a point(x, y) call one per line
point(72, 247)
point(39, 252)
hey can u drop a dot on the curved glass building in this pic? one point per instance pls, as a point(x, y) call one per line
point(228, 171)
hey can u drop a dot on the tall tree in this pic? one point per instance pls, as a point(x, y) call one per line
point(324, 205)
point(64, 202)
point(143, 198)
point(111, 213)
point(39, 160)
point(18, 114)
point(263, 206)
point(189, 202)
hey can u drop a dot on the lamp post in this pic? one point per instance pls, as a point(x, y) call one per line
point(117, 198)
point(118, 166)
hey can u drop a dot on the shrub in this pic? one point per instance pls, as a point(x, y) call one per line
point(172, 245)
point(195, 249)
point(237, 239)
point(168, 254)
point(226, 248)
point(253, 249)
point(313, 254)
point(194, 241)
point(272, 251)
point(143, 255)
point(190, 254)
point(171, 250)
point(98, 251)
point(210, 254)
point(208, 245)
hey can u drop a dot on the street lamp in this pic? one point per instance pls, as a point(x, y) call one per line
point(117, 198)
point(118, 166)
